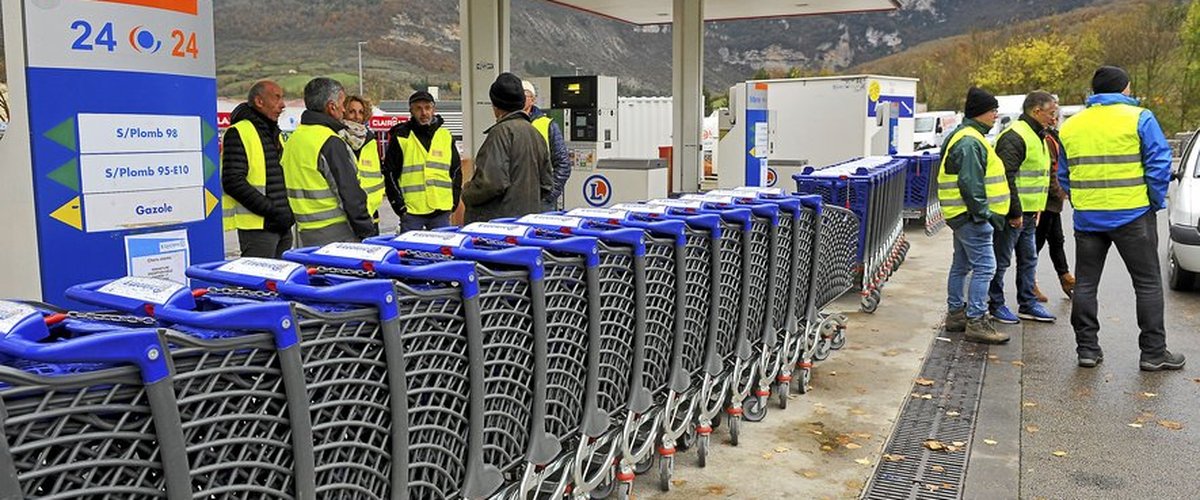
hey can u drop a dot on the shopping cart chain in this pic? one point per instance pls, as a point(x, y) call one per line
point(242, 292)
point(111, 318)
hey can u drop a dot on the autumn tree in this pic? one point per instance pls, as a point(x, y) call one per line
point(1189, 37)
point(1036, 63)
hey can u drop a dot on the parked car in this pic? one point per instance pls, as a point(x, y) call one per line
point(930, 128)
point(1183, 215)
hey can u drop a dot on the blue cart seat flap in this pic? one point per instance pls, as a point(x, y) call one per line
point(47, 344)
point(250, 272)
point(501, 233)
point(133, 294)
point(608, 233)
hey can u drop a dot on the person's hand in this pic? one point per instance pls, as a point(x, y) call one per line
point(1037, 218)
point(1016, 222)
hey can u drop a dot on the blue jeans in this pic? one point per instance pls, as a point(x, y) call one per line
point(1024, 242)
point(973, 255)
point(428, 222)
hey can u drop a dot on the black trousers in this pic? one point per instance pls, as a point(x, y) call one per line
point(1137, 244)
point(264, 244)
point(1050, 230)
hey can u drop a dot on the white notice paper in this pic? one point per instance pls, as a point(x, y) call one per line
point(150, 290)
point(164, 256)
point(12, 313)
point(278, 270)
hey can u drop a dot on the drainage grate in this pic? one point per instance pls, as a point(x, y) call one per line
point(956, 369)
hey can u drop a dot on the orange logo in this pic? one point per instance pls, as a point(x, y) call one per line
point(184, 6)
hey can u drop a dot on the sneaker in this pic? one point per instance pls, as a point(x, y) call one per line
point(1036, 313)
point(956, 321)
point(1167, 361)
point(1090, 360)
point(1068, 283)
point(1037, 293)
point(981, 330)
point(1003, 315)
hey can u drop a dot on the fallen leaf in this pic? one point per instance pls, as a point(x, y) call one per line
point(781, 449)
point(860, 389)
point(826, 447)
point(927, 396)
point(952, 414)
point(854, 484)
point(768, 456)
point(793, 397)
point(819, 405)
point(1135, 425)
point(958, 443)
point(1029, 404)
point(857, 411)
point(853, 446)
point(947, 486)
point(993, 357)
point(893, 458)
point(809, 474)
point(924, 382)
point(1148, 395)
point(1196, 380)
point(891, 353)
point(716, 489)
point(1018, 363)
point(1059, 453)
point(938, 468)
point(1032, 429)
point(934, 445)
point(863, 461)
point(862, 435)
point(814, 431)
point(678, 482)
point(931, 487)
point(989, 442)
point(1170, 424)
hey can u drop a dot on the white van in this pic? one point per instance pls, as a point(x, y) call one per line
point(1183, 214)
point(930, 129)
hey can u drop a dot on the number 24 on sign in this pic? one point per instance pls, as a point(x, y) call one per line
point(184, 42)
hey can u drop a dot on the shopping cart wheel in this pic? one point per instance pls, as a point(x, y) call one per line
point(625, 490)
point(735, 429)
point(755, 408)
point(702, 450)
point(870, 303)
point(822, 350)
point(605, 489)
point(645, 465)
point(687, 440)
point(839, 337)
point(783, 388)
point(666, 468)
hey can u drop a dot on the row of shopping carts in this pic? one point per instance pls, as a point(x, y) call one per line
point(556, 355)
point(874, 189)
point(920, 193)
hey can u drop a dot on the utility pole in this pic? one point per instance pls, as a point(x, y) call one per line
point(360, 73)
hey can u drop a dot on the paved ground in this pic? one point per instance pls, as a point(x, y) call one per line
point(1125, 434)
point(826, 443)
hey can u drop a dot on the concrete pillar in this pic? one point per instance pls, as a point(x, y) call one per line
point(687, 80)
point(19, 249)
point(485, 48)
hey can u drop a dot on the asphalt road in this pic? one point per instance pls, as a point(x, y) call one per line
point(1109, 432)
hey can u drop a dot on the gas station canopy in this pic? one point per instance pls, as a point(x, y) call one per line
point(659, 11)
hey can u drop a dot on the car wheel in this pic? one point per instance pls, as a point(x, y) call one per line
point(1177, 277)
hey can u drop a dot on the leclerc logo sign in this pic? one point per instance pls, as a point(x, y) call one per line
point(597, 191)
point(771, 177)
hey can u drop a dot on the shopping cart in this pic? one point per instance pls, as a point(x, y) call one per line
point(87, 407)
point(512, 306)
point(665, 318)
point(835, 261)
point(920, 193)
point(700, 365)
point(353, 364)
point(728, 351)
point(873, 188)
point(622, 393)
point(238, 379)
point(573, 340)
point(441, 342)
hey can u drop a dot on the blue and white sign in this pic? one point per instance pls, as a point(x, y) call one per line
point(122, 139)
point(597, 191)
point(906, 105)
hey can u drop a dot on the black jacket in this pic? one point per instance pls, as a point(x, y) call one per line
point(393, 160)
point(512, 172)
point(273, 206)
point(1011, 150)
point(338, 164)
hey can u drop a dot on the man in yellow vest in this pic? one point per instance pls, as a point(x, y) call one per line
point(1118, 170)
point(1022, 148)
point(554, 140)
point(974, 198)
point(362, 141)
point(422, 169)
point(255, 197)
point(322, 172)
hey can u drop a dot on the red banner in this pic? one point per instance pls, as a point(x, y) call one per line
point(386, 122)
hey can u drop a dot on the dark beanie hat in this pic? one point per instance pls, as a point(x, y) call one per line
point(507, 93)
point(1109, 80)
point(979, 101)
point(419, 96)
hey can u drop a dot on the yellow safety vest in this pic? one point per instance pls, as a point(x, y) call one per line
point(369, 176)
point(234, 215)
point(1104, 158)
point(542, 124)
point(993, 178)
point(425, 180)
point(1033, 180)
point(313, 201)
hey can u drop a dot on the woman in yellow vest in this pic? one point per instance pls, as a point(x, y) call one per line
point(362, 140)
point(1022, 148)
point(421, 168)
point(974, 197)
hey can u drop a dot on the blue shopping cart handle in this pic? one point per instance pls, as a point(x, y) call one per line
point(734, 201)
point(603, 231)
point(248, 272)
point(528, 258)
point(274, 316)
point(132, 294)
point(710, 223)
point(516, 234)
point(392, 266)
point(637, 220)
point(139, 347)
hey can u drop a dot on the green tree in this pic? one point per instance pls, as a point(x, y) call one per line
point(1189, 37)
point(1035, 63)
